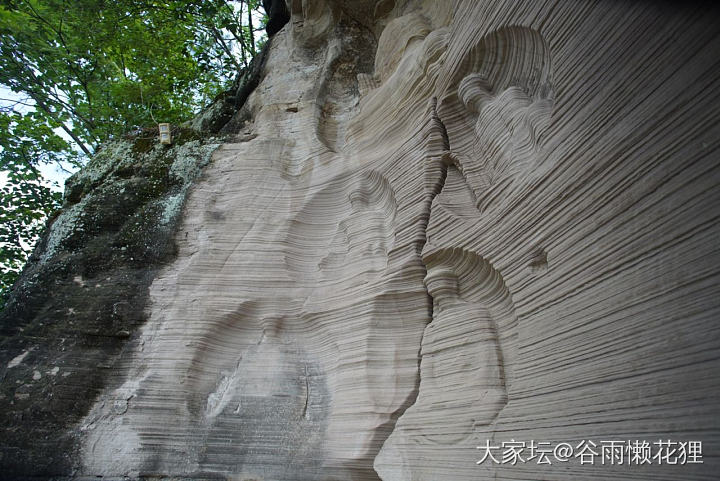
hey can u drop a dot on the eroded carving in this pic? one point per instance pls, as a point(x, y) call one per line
point(507, 96)
point(339, 88)
point(346, 229)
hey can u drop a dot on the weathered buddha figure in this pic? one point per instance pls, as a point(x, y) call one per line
point(460, 355)
point(505, 99)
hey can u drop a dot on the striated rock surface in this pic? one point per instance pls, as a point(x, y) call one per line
point(435, 225)
point(82, 294)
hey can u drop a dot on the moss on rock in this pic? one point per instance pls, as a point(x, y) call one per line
point(82, 295)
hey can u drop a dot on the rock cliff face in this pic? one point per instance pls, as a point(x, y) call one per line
point(434, 225)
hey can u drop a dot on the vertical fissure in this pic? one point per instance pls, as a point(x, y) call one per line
point(437, 157)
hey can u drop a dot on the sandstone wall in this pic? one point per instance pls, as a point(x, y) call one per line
point(441, 224)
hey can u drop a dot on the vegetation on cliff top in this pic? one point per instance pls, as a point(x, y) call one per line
point(77, 73)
